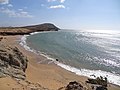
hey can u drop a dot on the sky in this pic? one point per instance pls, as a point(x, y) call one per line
point(66, 14)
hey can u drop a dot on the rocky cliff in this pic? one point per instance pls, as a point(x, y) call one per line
point(43, 27)
point(12, 62)
point(27, 29)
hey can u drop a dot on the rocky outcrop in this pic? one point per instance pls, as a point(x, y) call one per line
point(99, 83)
point(43, 27)
point(12, 62)
point(73, 86)
point(27, 29)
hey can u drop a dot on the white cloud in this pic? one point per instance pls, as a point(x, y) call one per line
point(13, 13)
point(10, 5)
point(7, 11)
point(42, 5)
point(51, 0)
point(20, 9)
point(57, 6)
point(25, 7)
point(61, 1)
point(4, 1)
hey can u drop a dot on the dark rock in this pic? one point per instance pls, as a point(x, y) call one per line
point(99, 81)
point(1, 38)
point(57, 60)
point(74, 86)
point(101, 88)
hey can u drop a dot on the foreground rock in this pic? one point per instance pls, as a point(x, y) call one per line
point(99, 83)
point(12, 62)
point(27, 29)
point(73, 86)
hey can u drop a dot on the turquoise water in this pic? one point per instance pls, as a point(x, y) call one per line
point(81, 49)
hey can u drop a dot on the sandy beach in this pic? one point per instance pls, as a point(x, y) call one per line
point(47, 75)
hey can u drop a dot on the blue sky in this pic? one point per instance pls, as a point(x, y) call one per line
point(69, 14)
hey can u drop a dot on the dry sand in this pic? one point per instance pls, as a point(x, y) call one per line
point(47, 75)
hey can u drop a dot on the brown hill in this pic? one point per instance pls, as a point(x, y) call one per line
point(28, 29)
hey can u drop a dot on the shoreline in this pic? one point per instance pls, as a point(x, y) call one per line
point(48, 75)
point(80, 72)
point(53, 68)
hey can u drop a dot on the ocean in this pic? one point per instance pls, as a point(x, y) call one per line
point(85, 53)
